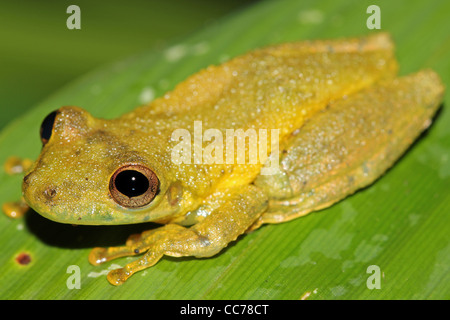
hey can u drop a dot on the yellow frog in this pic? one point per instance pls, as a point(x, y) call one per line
point(329, 118)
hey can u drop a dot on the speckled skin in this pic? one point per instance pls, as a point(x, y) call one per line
point(343, 120)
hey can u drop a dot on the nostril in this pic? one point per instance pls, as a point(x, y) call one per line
point(49, 193)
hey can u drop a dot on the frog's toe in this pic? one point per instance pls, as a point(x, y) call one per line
point(97, 256)
point(15, 165)
point(101, 255)
point(134, 239)
point(118, 276)
point(15, 209)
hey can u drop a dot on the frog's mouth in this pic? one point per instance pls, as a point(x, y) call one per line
point(66, 203)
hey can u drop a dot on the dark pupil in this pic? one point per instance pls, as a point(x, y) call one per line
point(47, 127)
point(131, 183)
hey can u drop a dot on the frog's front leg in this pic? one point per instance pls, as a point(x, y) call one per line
point(203, 239)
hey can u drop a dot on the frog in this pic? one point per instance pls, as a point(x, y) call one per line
point(342, 117)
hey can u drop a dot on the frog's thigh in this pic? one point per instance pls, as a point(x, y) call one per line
point(203, 239)
point(349, 146)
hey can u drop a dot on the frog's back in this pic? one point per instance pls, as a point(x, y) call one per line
point(277, 87)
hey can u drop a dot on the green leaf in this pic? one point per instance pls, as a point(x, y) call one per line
point(400, 224)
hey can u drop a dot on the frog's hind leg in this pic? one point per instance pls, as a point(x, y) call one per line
point(349, 145)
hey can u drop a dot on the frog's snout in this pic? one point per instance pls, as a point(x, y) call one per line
point(33, 190)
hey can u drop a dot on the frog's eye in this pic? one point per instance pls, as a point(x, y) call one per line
point(133, 186)
point(47, 127)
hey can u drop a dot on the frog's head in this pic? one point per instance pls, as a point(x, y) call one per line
point(95, 171)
